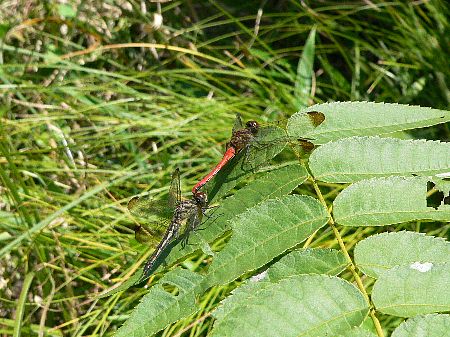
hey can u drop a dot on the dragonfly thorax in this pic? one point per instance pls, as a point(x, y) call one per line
point(241, 138)
point(184, 210)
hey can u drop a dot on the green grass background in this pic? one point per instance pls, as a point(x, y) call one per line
point(87, 121)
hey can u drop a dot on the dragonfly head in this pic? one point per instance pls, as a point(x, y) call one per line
point(201, 198)
point(253, 126)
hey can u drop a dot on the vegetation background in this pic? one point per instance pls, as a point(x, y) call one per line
point(101, 100)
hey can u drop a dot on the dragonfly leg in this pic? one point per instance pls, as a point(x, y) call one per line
point(207, 208)
point(214, 218)
point(192, 224)
point(185, 240)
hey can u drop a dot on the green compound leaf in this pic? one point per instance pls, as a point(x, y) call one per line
point(414, 289)
point(265, 231)
point(302, 305)
point(356, 158)
point(385, 201)
point(433, 325)
point(159, 308)
point(308, 261)
point(346, 119)
point(270, 185)
point(381, 252)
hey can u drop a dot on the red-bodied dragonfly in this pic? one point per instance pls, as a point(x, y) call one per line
point(177, 215)
point(260, 143)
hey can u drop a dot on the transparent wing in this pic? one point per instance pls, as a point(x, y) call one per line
point(238, 124)
point(149, 208)
point(156, 216)
point(266, 144)
point(175, 189)
point(151, 234)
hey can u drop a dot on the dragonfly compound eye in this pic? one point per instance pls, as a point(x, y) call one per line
point(253, 126)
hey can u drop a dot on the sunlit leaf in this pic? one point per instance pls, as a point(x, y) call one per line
point(159, 308)
point(357, 158)
point(264, 232)
point(66, 10)
point(414, 289)
point(432, 325)
point(308, 261)
point(381, 252)
point(302, 305)
point(346, 119)
point(385, 201)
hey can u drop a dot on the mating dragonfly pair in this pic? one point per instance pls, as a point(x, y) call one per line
point(183, 216)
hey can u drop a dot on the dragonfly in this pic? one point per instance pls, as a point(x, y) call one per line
point(260, 144)
point(177, 215)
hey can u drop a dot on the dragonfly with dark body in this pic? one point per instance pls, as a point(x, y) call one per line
point(255, 139)
point(179, 216)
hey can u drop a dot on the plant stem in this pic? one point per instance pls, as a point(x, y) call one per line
point(352, 266)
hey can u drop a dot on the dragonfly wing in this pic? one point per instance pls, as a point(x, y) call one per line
point(149, 208)
point(238, 124)
point(175, 189)
point(264, 146)
point(151, 234)
point(155, 216)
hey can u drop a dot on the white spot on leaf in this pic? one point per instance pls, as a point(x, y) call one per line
point(422, 267)
point(259, 277)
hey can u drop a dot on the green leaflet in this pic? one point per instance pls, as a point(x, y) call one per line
point(385, 201)
point(413, 289)
point(158, 308)
point(433, 325)
point(302, 305)
point(356, 158)
point(346, 119)
point(381, 252)
point(308, 261)
point(264, 232)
